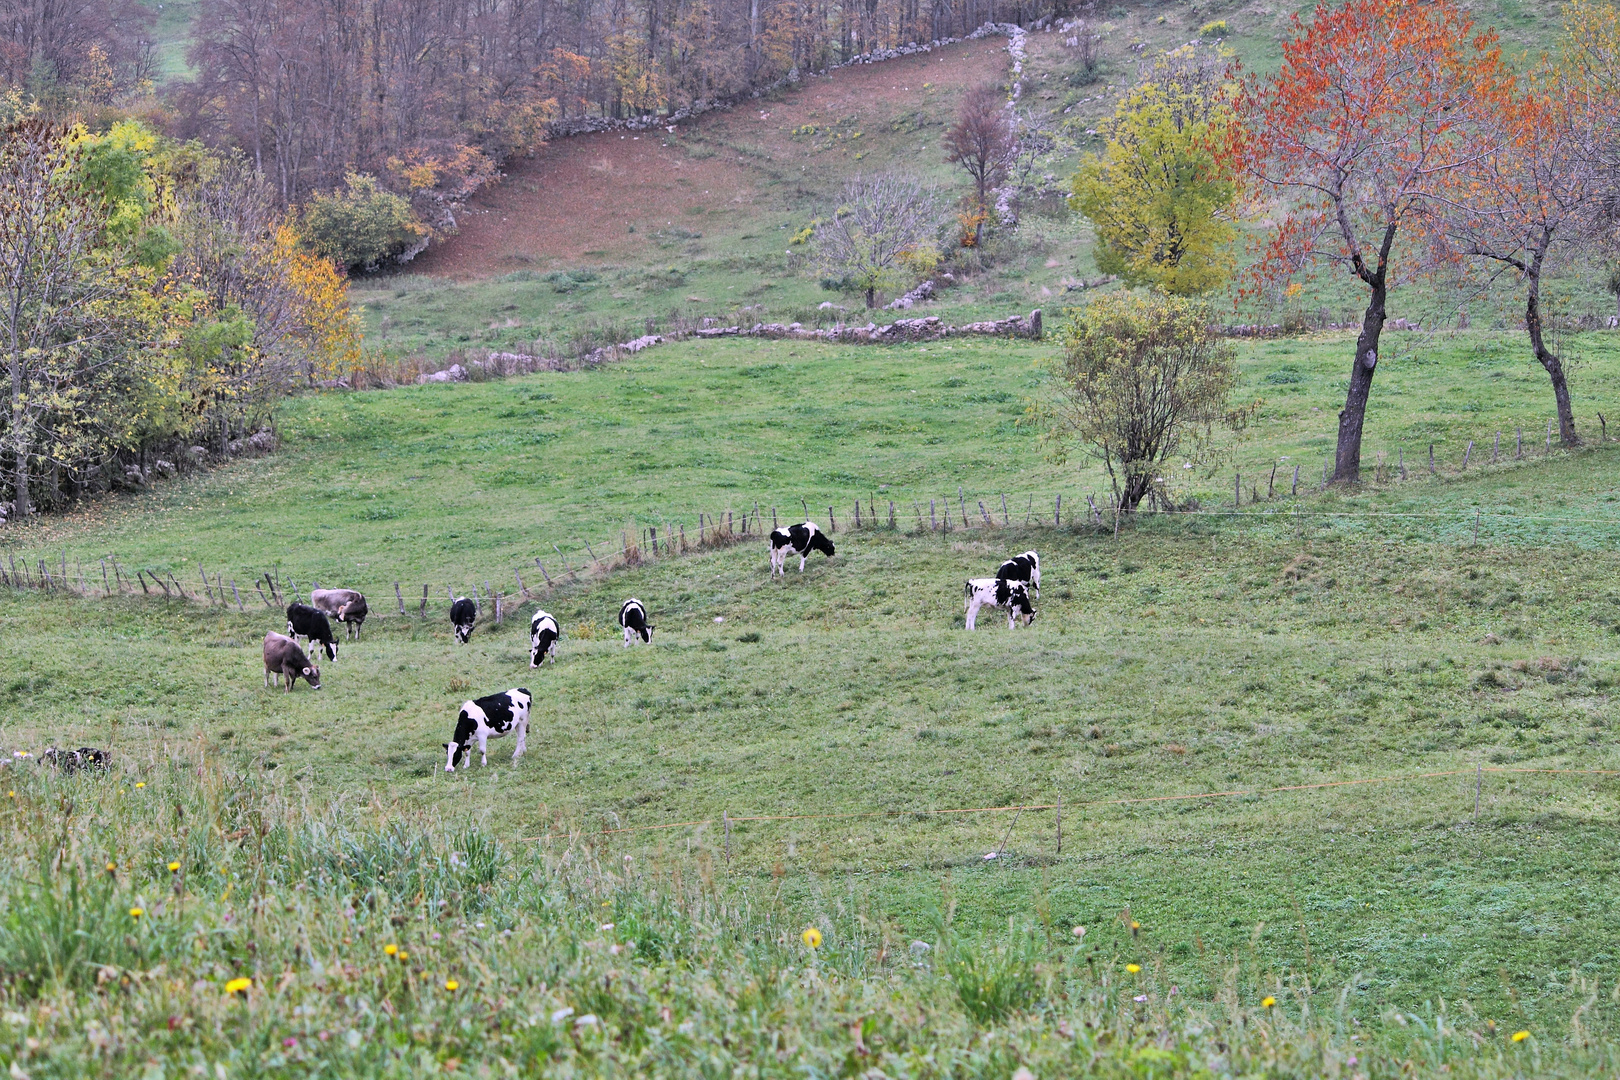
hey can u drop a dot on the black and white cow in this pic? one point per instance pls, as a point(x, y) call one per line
point(543, 635)
point(1001, 593)
point(489, 718)
point(633, 617)
point(798, 540)
point(345, 605)
point(311, 624)
point(71, 761)
point(463, 613)
point(1025, 567)
point(283, 657)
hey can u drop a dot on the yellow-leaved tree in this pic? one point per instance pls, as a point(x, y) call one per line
point(1158, 196)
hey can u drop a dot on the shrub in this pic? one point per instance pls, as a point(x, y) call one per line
point(361, 226)
point(1216, 29)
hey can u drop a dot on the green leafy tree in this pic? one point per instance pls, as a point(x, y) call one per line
point(1145, 387)
point(362, 225)
point(1158, 197)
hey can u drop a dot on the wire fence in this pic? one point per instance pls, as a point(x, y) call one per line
point(1291, 506)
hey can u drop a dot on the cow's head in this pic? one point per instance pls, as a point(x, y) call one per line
point(463, 632)
point(645, 633)
point(453, 752)
point(312, 675)
point(331, 649)
point(819, 542)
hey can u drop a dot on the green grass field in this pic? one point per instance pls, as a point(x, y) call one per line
point(1308, 642)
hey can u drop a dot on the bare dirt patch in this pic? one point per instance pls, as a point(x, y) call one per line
point(616, 197)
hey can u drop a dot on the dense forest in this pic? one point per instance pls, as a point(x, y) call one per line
point(431, 96)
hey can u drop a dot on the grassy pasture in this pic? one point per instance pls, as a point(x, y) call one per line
point(448, 484)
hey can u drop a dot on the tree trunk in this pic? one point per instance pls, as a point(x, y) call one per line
point(1137, 486)
point(22, 507)
point(1555, 367)
point(871, 297)
point(1347, 457)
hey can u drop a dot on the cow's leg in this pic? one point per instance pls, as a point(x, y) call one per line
point(1012, 618)
point(522, 739)
point(803, 556)
point(266, 676)
point(972, 613)
point(483, 747)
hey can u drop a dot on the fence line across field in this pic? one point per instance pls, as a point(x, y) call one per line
point(720, 530)
point(714, 530)
point(727, 819)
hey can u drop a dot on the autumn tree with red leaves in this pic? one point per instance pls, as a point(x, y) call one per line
point(982, 144)
point(1370, 111)
point(1533, 192)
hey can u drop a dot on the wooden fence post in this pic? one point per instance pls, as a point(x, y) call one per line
point(400, 597)
point(1468, 453)
point(1271, 485)
point(1006, 518)
point(1496, 448)
point(933, 524)
point(1431, 459)
point(1518, 443)
point(543, 573)
point(961, 500)
point(260, 590)
point(1605, 425)
point(237, 593)
point(106, 587)
point(857, 513)
point(984, 513)
point(891, 513)
point(725, 815)
point(1295, 492)
point(1237, 491)
point(421, 611)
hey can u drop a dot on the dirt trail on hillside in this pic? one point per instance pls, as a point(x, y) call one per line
point(577, 199)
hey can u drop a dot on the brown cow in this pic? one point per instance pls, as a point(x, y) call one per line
point(283, 657)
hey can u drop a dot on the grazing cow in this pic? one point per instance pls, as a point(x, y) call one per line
point(283, 657)
point(633, 617)
point(306, 622)
point(71, 761)
point(543, 635)
point(1025, 567)
point(798, 540)
point(345, 605)
point(489, 718)
point(1001, 593)
point(463, 613)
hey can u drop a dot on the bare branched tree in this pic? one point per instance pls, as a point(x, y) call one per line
point(884, 222)
point(983, 145)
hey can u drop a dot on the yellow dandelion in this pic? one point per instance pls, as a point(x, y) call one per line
point(403, 955)
point(1133, 968)
point(1520, 1036)
point(390, 949)
point(1135, 926)
point(11, 794)
point(451, 985)
point(812, 937)
point(238, 986)
point(136, 912)
point(140, 783)
point(1268, 1002)
point(112, 867)
point(174, 868)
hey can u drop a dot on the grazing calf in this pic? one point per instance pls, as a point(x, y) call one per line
point(1001, 593)
point(306, 622)
point(489, 718)
point(633, 617)
point(1025, 567)
point(71, 761)
point(463, 613)
point(345, 605)
point(543, 635)
point(283, 657)
point(798, 540)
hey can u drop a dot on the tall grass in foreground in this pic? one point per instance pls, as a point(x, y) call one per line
point(191, 919)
